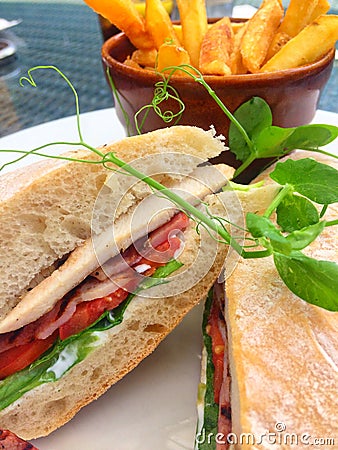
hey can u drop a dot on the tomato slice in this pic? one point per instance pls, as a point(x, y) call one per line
point(18, 358)
point(179, 222)
point(15, 357)
point(217, 350)
point(87, 313)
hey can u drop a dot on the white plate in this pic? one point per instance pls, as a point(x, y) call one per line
point(153, 408)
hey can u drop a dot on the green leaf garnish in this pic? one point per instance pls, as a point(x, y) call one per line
point(253, 137)
point(262, 229)
point(314, 281)
point(273, 141)
point(254, 116)
point(271, 237)
point(300, 239)
point(296, 212)
point(311, 137)
point(310, 178)
point(268, 141)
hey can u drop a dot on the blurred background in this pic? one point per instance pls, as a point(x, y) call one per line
point(66, 34)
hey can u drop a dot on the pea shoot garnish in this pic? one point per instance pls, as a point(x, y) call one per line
point(303, 184)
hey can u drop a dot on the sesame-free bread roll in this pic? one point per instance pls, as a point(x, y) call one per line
point(283, 351)
point(52, 235)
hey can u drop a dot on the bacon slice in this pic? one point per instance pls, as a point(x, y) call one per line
point(94, 289)
point(143, 248)
point(162, 247)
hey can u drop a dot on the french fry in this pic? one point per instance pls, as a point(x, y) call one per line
point(141, 6)
point(216, 48)
point(322, 8)
point(171, 55)
point(124, 15)
point(236, 61)
point(145, 57)
point(158, 23)
point(294, 20)
point(266, 42)
point(194, 22)
point(130, 63)
point(278, 41)
point(259, 33)
point(297, 16)
point(313, 42)
point(237, 26)
point(178, 31)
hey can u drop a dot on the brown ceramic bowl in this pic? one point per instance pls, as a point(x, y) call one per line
point(292, 94)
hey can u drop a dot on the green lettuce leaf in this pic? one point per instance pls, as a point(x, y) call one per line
point(206, 391)
point(64, 355)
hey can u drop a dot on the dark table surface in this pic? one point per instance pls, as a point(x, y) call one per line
point(66, 34)
point(62, 34)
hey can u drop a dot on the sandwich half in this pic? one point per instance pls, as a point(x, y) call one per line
point(270, 373)
point(96, 270)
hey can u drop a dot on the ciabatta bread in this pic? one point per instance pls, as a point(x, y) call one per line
point(283, 352)
point(146, 323)
point(50, 206)
point(46, 209)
